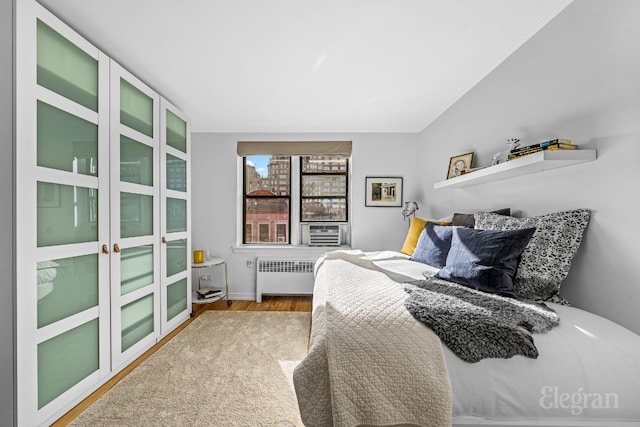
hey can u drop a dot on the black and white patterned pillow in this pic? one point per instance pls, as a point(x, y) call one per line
point(546, 260)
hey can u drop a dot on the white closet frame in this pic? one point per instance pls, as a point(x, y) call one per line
point(165, 149)
point(27, 253)
point(119, 358)
point(28, 335)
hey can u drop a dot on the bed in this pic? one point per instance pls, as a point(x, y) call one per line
point(371, 362)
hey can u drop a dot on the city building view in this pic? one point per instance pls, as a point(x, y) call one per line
point(323, 183)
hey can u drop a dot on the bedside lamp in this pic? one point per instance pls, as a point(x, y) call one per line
point(410, 208)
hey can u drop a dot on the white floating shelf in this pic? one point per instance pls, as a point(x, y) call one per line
point(536, 162)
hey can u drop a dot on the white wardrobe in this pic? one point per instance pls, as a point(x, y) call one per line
point(103, 223)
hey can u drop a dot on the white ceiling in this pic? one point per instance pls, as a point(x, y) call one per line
point(309, 66)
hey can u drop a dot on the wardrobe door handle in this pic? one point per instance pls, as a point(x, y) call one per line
point(116, 248)
point(105, 249)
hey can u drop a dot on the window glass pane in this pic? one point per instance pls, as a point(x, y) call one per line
point(176, 298)
point(324, 185)
point(324, 164)
point(136, 268)
point(176, 256)
point(66, 359)
point(136, 108)
point(176, 174)
point(136, 162)
point(66, 214)
point(264, 233)
point(136, 215)
point(176, 215)
point(324, 188)
point(66, 69)
point(176, 132)
point(281, 233)
point(66, 142)
point(137, 321)
point(324, 209)
point(66, 286)
point(267, 175)
point(262, 216)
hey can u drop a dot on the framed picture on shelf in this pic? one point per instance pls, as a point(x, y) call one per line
point(457, 164)
point(383, 191)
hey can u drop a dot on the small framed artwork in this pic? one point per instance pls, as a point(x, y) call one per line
point(457, 164)
point(383, 191)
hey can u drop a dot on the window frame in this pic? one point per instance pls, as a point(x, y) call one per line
point(301, 197)
point(245, 197)
point(297, 234)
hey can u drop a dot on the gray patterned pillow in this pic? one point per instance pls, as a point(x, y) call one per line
point(546, 260)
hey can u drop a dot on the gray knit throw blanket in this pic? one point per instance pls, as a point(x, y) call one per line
point(476, 325)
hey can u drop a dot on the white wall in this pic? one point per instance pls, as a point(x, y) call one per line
point(214, 194)
point(7, 285)
point(578, 78)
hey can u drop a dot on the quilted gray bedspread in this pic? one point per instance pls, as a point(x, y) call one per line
point(370, 362)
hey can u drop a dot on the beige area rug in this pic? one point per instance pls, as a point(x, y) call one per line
point(227, 368)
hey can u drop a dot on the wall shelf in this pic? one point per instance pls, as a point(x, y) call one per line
point(532, 163)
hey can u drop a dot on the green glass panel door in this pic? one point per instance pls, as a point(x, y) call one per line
point(136, 215)
point(66, 69)
point(176, 298)
point(66, 214)
point(176, 174)
point(174, 220)
point(66, 286)
point(137, 321)
point(63, 277)
point(66, 359)
point(136, 162)
point(136, 108)
point(176, 132)
point(176, 215)
point(136, 268)
point(66, 142)
point(176, 256)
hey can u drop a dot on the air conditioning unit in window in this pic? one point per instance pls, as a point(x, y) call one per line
point(324, 235)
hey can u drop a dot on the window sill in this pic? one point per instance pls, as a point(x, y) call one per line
point(307, 250)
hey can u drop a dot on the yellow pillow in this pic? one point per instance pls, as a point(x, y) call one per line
point(415, 228)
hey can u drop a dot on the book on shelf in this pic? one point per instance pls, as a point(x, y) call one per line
point(559, 142)
point(519, 154)
point(208, 292)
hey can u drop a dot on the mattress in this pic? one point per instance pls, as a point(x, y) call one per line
point(587, 372)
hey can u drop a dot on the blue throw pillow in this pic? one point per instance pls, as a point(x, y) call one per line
point(485, 260)
point(433, 245)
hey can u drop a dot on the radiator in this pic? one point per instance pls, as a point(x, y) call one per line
point(284, 277)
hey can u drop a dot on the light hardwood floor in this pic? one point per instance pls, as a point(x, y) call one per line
point(269, 303)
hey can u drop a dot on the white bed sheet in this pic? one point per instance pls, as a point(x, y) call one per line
point(587, 373)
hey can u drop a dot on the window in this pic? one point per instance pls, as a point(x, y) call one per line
point(318, 183)
point(267, 199)
point(324, 188)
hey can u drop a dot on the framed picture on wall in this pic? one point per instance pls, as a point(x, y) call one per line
point(383, 191)
point(457, 164)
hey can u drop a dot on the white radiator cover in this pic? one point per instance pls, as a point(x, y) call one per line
point(284, 276)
